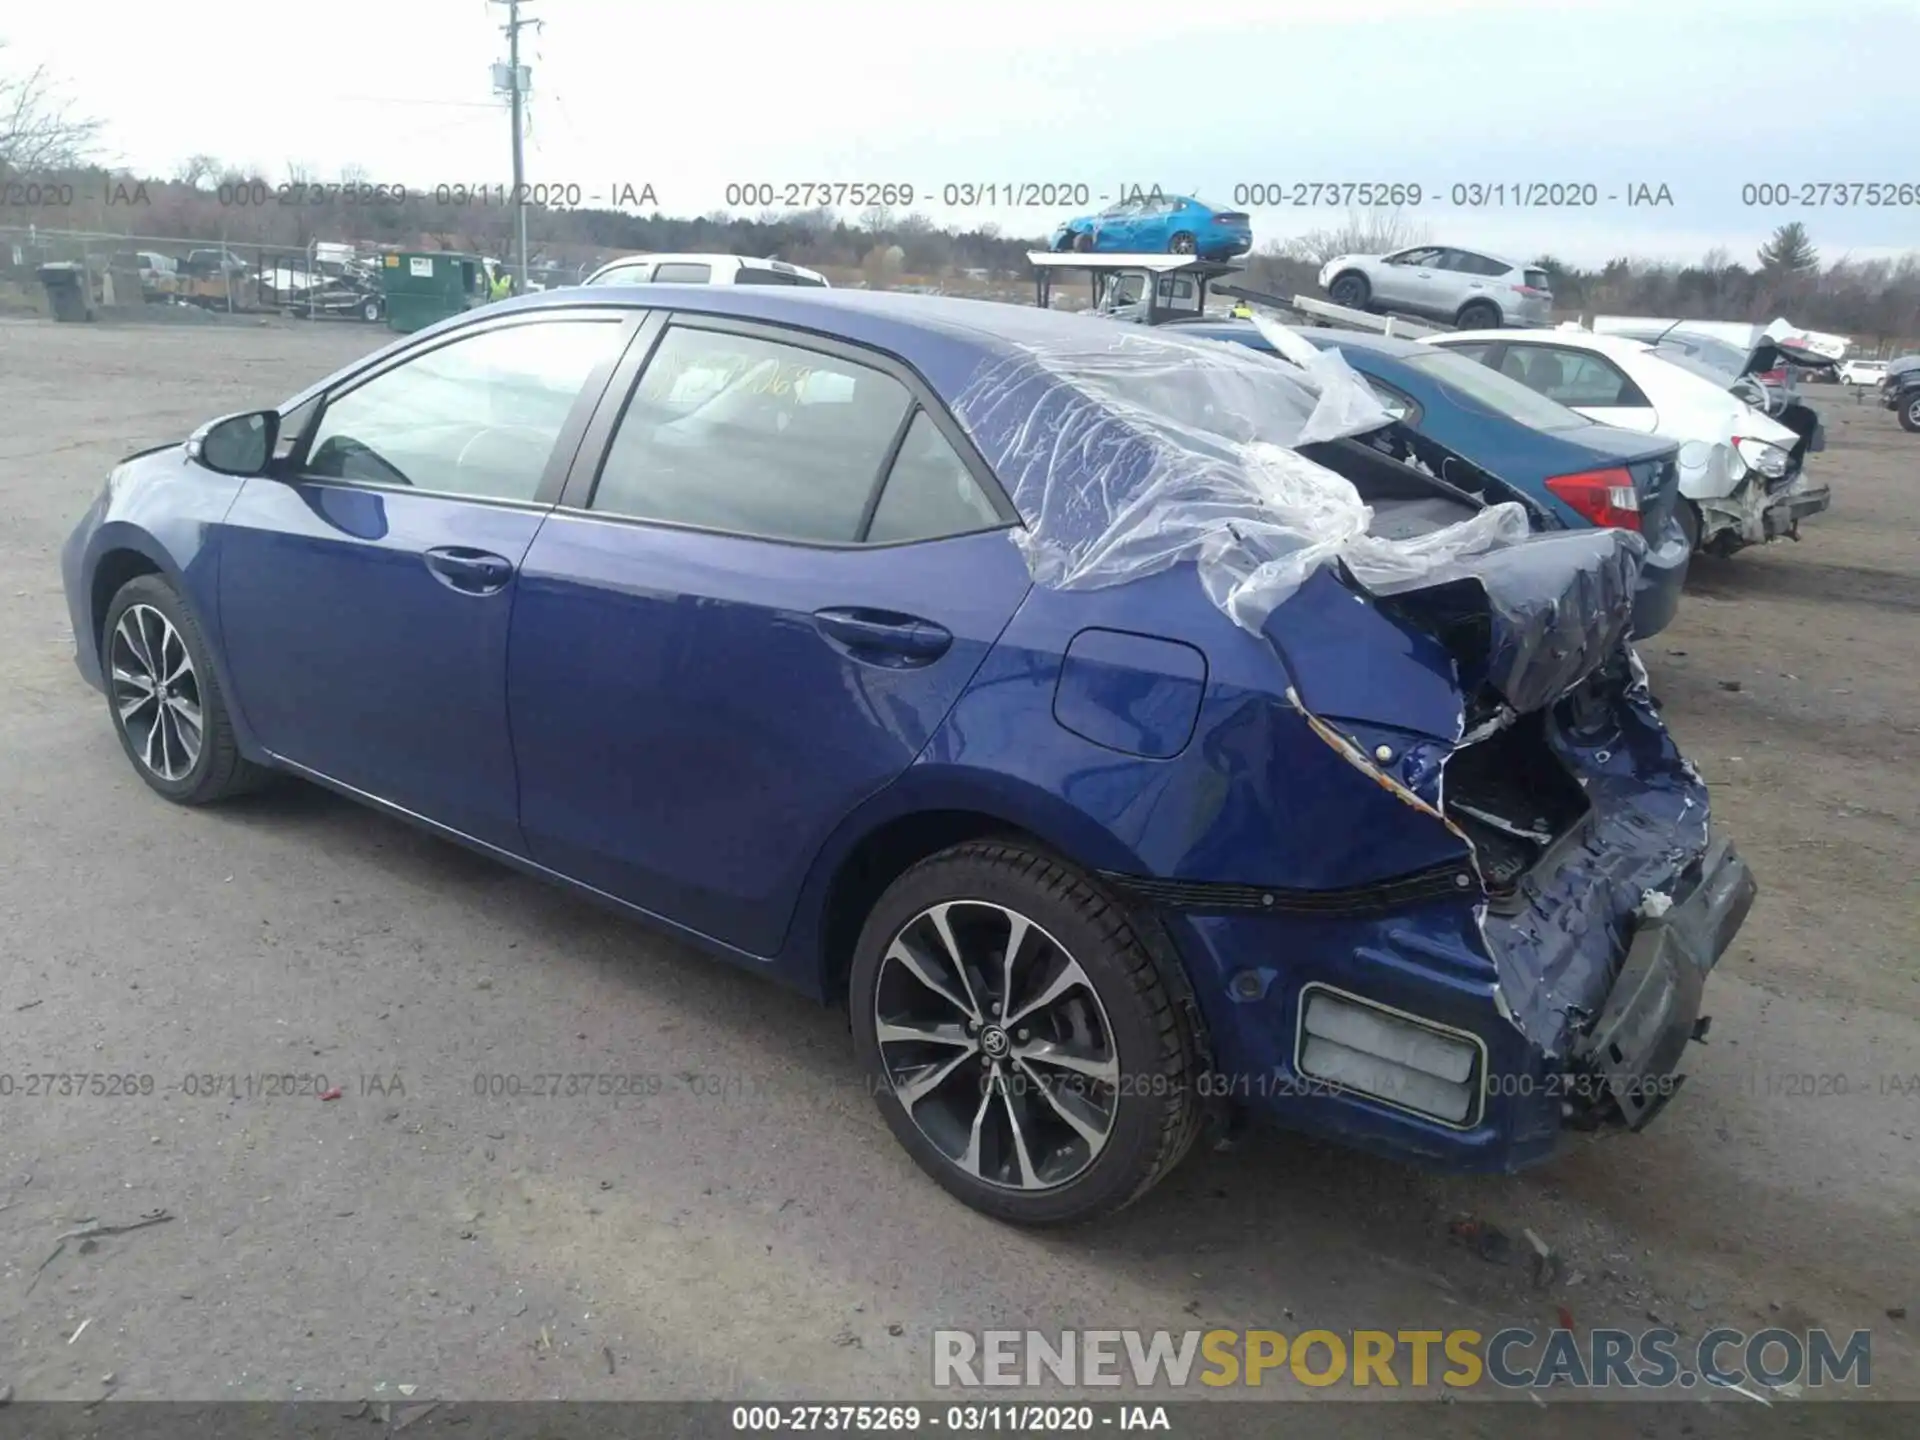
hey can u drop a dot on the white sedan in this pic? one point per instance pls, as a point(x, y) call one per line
point(1741, 472)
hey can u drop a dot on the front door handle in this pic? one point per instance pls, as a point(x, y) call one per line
point(884, 637)
point(472, 572)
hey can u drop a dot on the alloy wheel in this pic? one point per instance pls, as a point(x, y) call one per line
point(1183, 244)
point(156, 695)
point(996, 1045)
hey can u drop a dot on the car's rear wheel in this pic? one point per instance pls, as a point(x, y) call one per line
point(370, 311)
point(1022, 1043)
point(1351, 290)
point(165, 699)
point(1910, 414)
point(1181, 244)
point(1478, 315)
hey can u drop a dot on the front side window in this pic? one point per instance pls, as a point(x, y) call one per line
point(682, 273)
point(475, 417)
point(750, 436)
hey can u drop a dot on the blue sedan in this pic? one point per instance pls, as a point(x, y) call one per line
point(1161, 225)
point(1571, 471)
point(862, 640)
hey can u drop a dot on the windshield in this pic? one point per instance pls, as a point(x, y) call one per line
point(1490, 390)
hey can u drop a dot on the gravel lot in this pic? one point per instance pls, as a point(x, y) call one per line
point(752, 1229)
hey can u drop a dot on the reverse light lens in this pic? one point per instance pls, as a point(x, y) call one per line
point(1389, 1056)
point(1769, 459)
point(1606, 497)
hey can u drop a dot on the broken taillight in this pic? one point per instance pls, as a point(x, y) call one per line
point(1606, 497)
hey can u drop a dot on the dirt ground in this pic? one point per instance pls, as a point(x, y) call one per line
point(771, 1239)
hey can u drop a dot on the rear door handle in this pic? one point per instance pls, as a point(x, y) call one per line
point(884, 637)
point(472, 572)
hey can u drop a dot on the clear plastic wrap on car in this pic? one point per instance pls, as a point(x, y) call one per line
point(1159, 449)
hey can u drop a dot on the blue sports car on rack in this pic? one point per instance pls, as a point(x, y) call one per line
point(1159, 224)
point(1071, 703)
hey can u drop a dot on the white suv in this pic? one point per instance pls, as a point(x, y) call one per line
point(703, 270)
point(1467, 288)
point(1863, 372)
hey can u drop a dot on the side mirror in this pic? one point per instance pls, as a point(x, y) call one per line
point(237, 444)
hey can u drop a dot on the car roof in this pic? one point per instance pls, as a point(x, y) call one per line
point(1617, 345)
point(1231, 331)
point(691, 257)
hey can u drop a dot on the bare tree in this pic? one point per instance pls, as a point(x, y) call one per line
point(1367, 232)
point(38, 129)
point(196, 168)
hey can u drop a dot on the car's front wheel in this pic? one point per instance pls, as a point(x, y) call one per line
point(1083, 240)
point(165, 700)
point(1910, 413)
point(1021, 1041)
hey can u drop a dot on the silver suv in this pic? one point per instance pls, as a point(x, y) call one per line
point(1465, 288)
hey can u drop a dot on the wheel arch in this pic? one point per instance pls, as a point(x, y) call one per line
point(1499, 315)
point(928, 810)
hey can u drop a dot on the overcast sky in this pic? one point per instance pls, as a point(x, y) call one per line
point(1699, 96)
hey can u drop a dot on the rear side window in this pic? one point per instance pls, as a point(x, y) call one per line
point(808, 280)
point(1572, 377)
point(753, 437)
point(754, 275)
point(930, 492)
point(682, 273)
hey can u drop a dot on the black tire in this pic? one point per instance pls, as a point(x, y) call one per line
point(217, 770)
point(1478, 315)
point(1083, 240)
point(1154, 1107)
point(1688, 515)
point(1910, 414)
point(370, 311)
point(1351, 289)
point(1182, 243)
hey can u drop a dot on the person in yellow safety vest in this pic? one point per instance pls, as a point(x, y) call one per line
point(502, 284)
point(1242, 310)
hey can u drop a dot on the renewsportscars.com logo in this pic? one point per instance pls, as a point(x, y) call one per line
point(1515, 1358)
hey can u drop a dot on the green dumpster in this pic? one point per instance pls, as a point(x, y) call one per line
point(426, 286)
point(69, 290)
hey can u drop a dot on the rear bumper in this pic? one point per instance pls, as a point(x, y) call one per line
point(1526, 979)
point(1663, 577)
point(1653, 1009)
point(1786, 513)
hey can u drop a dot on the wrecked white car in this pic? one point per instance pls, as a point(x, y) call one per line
point(1742, 472)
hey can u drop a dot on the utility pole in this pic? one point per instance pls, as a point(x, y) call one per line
point(514, 87)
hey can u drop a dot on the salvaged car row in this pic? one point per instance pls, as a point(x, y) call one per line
point(1140, 729)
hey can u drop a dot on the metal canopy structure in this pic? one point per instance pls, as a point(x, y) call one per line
point(1171, 287)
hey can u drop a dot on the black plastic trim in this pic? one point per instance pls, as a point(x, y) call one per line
point(1383, 897)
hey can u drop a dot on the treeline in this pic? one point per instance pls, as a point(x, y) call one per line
point(1876, 301)
point(241, 210)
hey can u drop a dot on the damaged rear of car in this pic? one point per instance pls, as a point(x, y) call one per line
point(1441, 884)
